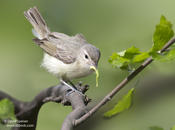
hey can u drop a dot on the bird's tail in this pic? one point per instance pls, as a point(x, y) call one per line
point(40, 27)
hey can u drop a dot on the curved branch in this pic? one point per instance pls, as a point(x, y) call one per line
point(27, 112)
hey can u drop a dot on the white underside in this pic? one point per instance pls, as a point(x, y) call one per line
point(62, 70)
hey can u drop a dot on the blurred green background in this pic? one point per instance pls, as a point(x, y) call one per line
point(111, 25)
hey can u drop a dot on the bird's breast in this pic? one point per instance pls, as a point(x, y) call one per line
point(60, 69)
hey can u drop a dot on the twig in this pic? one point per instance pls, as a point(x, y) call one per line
point(121, 85)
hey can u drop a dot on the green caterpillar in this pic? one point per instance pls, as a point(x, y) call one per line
point(97, 74)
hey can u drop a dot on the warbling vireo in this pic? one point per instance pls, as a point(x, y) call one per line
point(67, 57)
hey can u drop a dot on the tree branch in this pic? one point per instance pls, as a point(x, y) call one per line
point(27, 112)
point(121, 85)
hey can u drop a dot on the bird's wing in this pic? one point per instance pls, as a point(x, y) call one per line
point(62, 46)
point(57, 50)
point(61, 39)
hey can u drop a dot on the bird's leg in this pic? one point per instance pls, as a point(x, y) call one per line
point(72, 88)
point(72, 84)
point(65, 83)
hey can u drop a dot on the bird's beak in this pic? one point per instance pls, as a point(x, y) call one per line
point(97, 74)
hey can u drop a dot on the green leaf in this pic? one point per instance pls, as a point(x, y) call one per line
point(170, 55)
point(130, 52)
point(122, 104)
point(141, 57)
point(128, 59)
point(173, 128)
point(155, 128)
point(123, 59)
point(6, 110)
point(162, 34)
point(167, 56)
point(117, 61)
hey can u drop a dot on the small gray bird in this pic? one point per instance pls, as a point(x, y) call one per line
point(67, 57)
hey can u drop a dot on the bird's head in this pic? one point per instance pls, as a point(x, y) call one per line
point(89, 56)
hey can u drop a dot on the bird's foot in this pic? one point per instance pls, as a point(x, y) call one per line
point(82, 88)
point(73, 89)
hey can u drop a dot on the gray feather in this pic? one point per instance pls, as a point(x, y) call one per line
point(37, 21)
point(63, 54)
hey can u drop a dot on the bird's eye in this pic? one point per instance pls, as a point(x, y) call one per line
point(86, 56)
